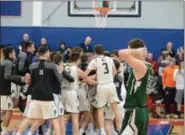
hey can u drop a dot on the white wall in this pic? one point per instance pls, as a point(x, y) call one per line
point(24, 20)
point(153, 15)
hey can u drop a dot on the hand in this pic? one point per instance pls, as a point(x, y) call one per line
point(60, 67)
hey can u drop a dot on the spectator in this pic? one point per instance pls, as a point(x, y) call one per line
point(180, 55)
point(67, 54)
point(62, 47)
point(164, 60)
point(86, 46)
point(25, 40)
point(169, 85)
point(179, 79)
point(43, 42)
point(153, 63)
point(169, 48)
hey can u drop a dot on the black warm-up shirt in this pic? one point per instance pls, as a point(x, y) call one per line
point(42, 75)
point(6, 77)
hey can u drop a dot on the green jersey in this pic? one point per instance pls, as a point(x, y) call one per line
point(137, 91)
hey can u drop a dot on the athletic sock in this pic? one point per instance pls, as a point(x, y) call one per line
point(18, 133)
point(90, 126)
point(49, 131)
point(81, 131)
point(4, 130)
point(102, 131)
point(29, 133)
point(97, 130)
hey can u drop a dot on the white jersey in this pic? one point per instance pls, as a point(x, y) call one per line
point(103, 66)
point(73, 72)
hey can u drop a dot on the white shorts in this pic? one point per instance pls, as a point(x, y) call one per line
point(28, 101)
point(83, 99)
point(58, 104)
point(70, 101)
point(106, 93)
point(6, 103)
point(42, 110)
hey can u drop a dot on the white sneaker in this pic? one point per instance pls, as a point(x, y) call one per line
point(176, 116)
point(4, 133)
point(90, 132)
point(167, 116)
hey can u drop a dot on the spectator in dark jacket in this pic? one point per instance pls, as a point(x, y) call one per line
point(25, 40)
point(86, 46)
point(62, 47)
point(43, 42)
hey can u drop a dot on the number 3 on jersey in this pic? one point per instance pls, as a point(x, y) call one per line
point(106, 68)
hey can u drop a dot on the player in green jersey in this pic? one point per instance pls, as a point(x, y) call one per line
point(136, 115)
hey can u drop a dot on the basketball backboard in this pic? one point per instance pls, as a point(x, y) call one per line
point(118, 8)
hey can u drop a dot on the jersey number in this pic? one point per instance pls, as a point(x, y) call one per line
point(106, 68)
point(41, 72)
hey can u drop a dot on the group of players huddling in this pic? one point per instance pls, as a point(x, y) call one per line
point(91, 95)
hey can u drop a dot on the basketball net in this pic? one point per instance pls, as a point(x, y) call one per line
point(101, 15)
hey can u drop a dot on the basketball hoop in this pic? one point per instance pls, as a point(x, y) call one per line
point(101, 14)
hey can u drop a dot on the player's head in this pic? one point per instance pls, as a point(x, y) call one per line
point(78, 50)
point(57, 58)
point(117, 65)
point(115, 54)
point(106, 53)
point(30, 46)
point(44, 52)
point(99, 49)
point(136, 43)
point(75, 58)
point(84, 58)
point(171, 62)
point(9, 52)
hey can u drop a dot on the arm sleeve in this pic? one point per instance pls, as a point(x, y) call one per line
point(56, 73)
point(67, 76)
point(7, 74)
point(22, 58)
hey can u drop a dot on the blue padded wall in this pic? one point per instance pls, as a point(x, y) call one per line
point(111, 38)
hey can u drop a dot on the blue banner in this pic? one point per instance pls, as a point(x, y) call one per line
point(10, 8)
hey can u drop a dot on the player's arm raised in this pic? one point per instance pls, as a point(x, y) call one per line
point(135, 58)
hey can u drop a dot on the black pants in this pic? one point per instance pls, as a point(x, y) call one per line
point(169, 99)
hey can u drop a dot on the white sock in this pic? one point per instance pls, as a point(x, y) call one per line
point(97, 130)
point(102, 131)
point(81, 131)
point(18, 133)
point(5, 129)
point(49, 131)
point(29, 133)
point(90, 126)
